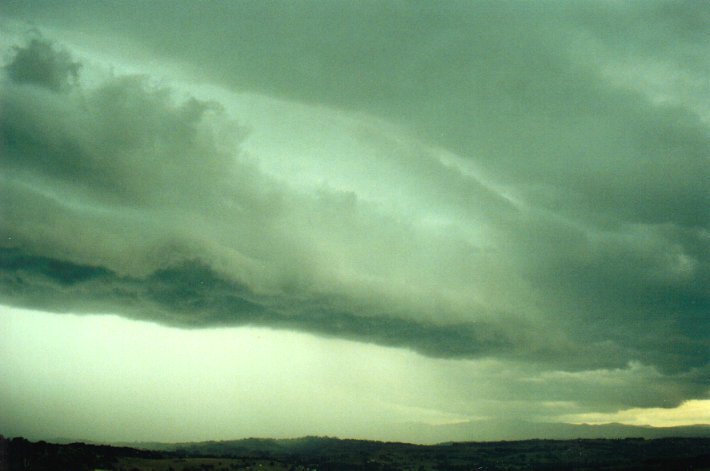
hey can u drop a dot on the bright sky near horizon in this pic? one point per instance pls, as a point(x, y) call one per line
point(388, 220)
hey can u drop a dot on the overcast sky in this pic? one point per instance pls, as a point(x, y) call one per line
point(364, 219)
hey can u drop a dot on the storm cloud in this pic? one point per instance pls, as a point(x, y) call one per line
point(508, 181)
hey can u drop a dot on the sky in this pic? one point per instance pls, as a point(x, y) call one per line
point(375, 219)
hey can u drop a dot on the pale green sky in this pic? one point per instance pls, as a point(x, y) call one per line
point(104, 378)
point(374, 219)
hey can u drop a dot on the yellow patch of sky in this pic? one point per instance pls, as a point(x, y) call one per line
point(692, 412)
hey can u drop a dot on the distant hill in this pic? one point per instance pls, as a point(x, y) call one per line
point(521, 430)
point(325, 453)
point(490, 430)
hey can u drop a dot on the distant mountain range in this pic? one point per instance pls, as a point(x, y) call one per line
point(522, 430)
point(486, 430)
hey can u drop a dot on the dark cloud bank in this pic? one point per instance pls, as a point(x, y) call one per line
point(119, 197)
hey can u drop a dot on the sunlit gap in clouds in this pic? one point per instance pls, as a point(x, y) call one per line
point(693, 412)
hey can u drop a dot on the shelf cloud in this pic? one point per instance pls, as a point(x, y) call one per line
point(498, 181)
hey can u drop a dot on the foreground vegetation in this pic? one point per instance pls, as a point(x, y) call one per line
point(315, 453)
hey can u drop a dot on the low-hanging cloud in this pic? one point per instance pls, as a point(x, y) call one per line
point(118, 198)
point(566, 229)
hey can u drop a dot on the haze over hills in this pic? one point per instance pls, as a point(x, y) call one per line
point(522, 430)
point(530, 430)
point(470, 431)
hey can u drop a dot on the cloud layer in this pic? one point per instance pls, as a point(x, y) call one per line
point(472, 181)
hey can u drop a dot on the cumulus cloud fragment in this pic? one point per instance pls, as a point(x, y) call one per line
point(39, 63)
